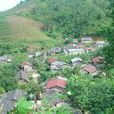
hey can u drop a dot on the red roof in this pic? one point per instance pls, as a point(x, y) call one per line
point(56, 83)
point(51, 60)
point(90, 68)
point(89, 49)
point(97, 59)
point(26, 63)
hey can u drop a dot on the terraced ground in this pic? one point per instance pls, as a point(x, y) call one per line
point(14, 28)
point(17, 29)
point(5, 32)
point(23, 28)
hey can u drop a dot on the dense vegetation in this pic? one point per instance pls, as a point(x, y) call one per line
point(72, 18)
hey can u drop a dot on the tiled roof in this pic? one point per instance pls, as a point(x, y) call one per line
point(56, 83)
point(51, 60)
point(90, 68)
point(97, 59)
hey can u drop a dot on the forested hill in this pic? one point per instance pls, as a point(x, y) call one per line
point(63, 18)
point(69, 18)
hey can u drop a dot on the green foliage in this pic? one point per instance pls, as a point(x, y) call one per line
point(72, 18)
point(93, 95)
point(2, 90)
point(7, 77)
point(5, 31)
point(31, 87)
point(108, 51)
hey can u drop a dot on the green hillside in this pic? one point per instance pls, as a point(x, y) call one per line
point(5, 31)
point(14, 27)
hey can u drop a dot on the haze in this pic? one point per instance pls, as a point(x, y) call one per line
point(8, 4)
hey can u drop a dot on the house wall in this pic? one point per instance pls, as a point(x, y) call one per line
point(86, 41)
point(76, 52)
point(85, 72)
point(76, 63)
point(27, 68)
point(57, 89)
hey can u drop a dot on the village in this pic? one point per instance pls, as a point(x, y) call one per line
point(80, 57)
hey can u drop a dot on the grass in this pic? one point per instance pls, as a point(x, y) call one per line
point(23, 28)
point(5, 32)
point(17, 29)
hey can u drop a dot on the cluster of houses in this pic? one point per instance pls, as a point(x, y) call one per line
point(87, 44)
point(54, 87)
point(90, 68)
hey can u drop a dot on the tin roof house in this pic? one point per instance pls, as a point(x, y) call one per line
point(8, 101)
point(76, 61)
point(86, 39)
point(74, 51)
point(5, 59)
point(58, 65)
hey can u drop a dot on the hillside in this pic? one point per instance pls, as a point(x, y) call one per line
point(23, 28)
point(14, 27)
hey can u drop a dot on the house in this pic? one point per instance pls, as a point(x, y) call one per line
point(56, 50)
point(57, 84)
point(74, 51)
point(57, 65)
point(101, 44)
point(86, 39)
point(89, 49)
point(8, 101)
point(51, 60)
point(38, 54)
point(55, 87)
point(76, 61)
point(53, 98)
point(79, 45)
point(26, 66)
point(97, 60)
point(89, 69)
point(24, 77)
point(72, 44)
point(75, 41)
point(5, 59)
point(31, 55)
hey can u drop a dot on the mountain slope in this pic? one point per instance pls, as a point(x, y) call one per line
point(15, 27)
point(23, 28)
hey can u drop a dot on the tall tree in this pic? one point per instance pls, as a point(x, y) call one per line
point(109, 51)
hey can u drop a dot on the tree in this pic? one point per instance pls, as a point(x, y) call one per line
point(108, 51)
point(72, 18)
point(95, 95)
point(2, 90)
point(7, 77)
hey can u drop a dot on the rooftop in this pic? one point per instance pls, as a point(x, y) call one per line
point(56, 82)
point(90, 68)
